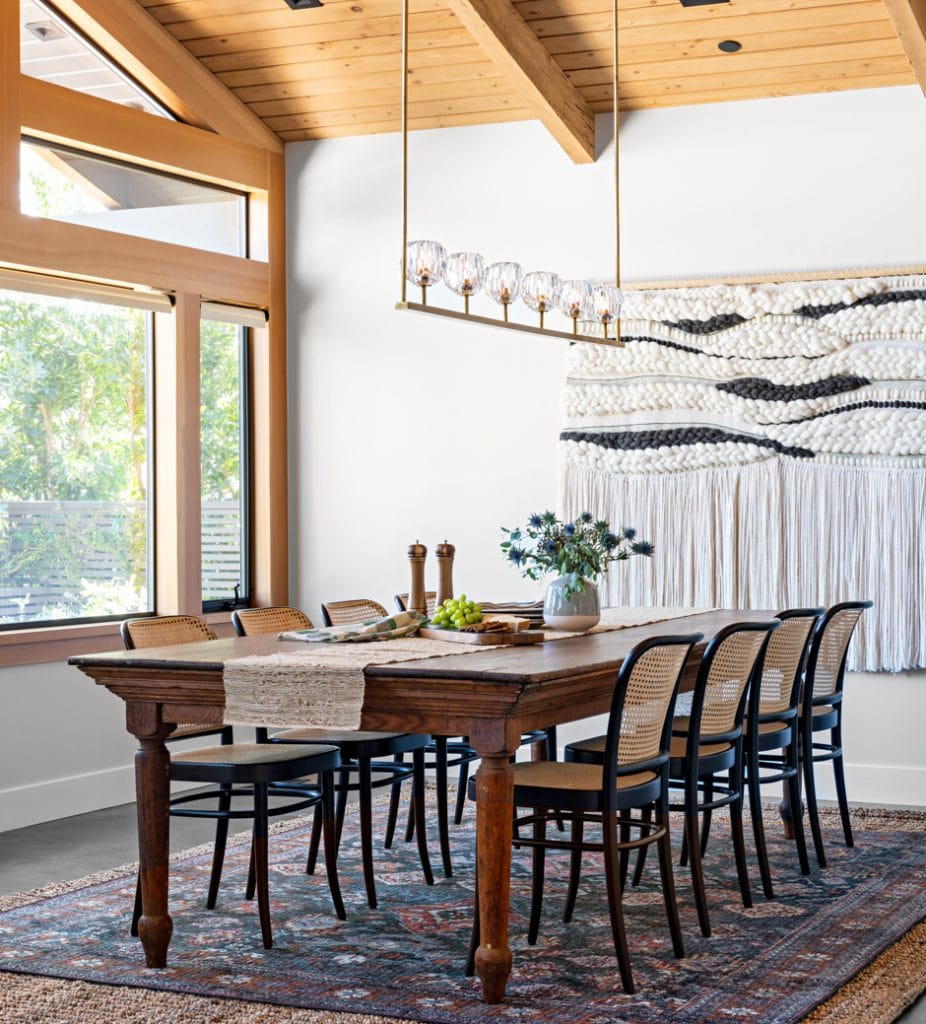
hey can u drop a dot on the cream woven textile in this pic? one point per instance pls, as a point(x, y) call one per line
point(322, 685)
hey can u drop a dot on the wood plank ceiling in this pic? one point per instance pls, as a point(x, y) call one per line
point(335, 70)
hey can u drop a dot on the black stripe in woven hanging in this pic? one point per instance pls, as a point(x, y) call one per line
point(721, 322)
point(882, 299)
point(900, 404)
point(759, 389)
point(635, 440)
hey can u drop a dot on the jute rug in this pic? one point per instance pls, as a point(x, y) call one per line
point(846, 945)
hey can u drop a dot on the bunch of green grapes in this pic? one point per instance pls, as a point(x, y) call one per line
point(456, 612)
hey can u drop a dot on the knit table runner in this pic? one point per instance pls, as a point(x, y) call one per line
point(322, 685)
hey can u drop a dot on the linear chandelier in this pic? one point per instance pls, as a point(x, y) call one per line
point(596, 305)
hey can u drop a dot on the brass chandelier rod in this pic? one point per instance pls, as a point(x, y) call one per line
point(404, 151)
point(617, 173)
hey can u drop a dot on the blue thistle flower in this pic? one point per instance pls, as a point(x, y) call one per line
point(610, 541)
point(642, 547)
point(516, 555)
point(569, 529)
point(629, 532)
point(536, 521)
point(549, 546)
point(586, 517)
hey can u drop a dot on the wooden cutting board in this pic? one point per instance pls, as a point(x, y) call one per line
point(498, 639)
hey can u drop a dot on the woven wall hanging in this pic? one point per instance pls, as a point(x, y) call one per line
point(771, 441)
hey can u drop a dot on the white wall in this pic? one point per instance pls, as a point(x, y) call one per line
point(407, 427)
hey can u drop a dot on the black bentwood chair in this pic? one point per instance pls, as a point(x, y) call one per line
point(821, 711)
point(631, 773)
point(251, 767)
point(359, 751)
point(771, 725)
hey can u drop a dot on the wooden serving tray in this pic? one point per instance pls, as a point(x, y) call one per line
point(498, 639)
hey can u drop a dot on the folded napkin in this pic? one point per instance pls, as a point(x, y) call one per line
point(389, 628)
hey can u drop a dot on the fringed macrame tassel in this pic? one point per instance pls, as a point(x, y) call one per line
point(776, 534)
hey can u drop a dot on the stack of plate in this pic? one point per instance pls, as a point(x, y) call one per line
point(530, 610)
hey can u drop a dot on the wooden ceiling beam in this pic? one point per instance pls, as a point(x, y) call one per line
point(125, 31)
point(909, 18)
point(510, 43)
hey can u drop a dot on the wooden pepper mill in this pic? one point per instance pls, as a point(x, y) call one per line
point(445, 553)
point(417, 553)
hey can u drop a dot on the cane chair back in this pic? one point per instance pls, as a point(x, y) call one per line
point(279, 619)
point(165, 630)
point(430, 601)
point(650, 687)
point(784, 660)
point(339, 613)
point(641, 710)
point(826, 667)
point(719, 701)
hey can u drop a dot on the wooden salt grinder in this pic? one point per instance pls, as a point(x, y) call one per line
point(445, 553)
point(417, 553)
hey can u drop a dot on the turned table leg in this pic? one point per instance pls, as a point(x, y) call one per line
point(152, 788)
point(493, 855)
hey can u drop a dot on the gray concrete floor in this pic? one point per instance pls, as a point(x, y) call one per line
point(70, 848)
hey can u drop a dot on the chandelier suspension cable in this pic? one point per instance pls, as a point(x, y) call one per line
point(404, 150)
point(617, 174)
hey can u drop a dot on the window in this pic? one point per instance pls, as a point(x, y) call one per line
point(68, 184)
point(74, 459)
point(223, 401)
point(56, 52)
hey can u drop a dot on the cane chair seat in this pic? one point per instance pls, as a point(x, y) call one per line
point(188, 730)
point(679, 748)
point(362, 753)
point(818, 710)
point(250, 754)
point(572, 776)
point(766, 729)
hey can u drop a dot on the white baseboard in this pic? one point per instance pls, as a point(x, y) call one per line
point(22, 806)
point(882, 785)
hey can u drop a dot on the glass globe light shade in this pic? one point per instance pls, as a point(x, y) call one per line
point(605, 305)
point(503, 283)
point(540, 291)
point(574, 299)
point(425, 262)
point(464, 274)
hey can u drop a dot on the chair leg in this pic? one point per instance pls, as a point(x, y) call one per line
point(251, 885)
point(538, 864)
point(840, 776)
point(421, 830)
point(341, 800)
point(739, 839)
point(794, 801)
point(625, 853)
point(697, 874)
point(312, 858)
point(365, 783)
point(410, 821)
point(664, 849)
point(615, 897)
point(462, 780)
point(754, 783)
point(575, 866)
point(136, 913)
point(646, 814)
point(810, 795)
point(261, 867)
point(324, 814)
point(394, 798)
point(443, 824)
point(706, 815)
point(218, 855)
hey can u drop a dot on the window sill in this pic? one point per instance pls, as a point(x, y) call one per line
point(58, 643)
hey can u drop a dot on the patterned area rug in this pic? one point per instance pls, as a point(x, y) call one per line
point(773, 963)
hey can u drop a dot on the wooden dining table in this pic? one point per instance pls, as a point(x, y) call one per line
point(492, 697)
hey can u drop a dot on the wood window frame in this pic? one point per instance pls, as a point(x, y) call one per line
point(228, 147)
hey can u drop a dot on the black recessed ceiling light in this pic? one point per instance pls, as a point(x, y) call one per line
point(702, 3)
point(304, 5)
point(729, 46)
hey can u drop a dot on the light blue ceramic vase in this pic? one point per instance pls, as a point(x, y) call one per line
point(572, 613)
